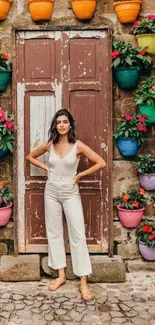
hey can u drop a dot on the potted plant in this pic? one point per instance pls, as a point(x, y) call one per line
point(5, 71)
point(83, 9)
point(41, 9)
point(4, 8)
point(145, 98)
point(130, 134)
point(127, 63)
point(145, 33)
point(5, 204)
point(127, 10)
point(145, 169)
point(130, 206)
point(7, 129)
point(146, 239)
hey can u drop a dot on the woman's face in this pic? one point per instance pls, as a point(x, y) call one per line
point(63, 125)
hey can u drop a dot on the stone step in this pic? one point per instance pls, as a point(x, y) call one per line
point(105, 269)
point(140, 265)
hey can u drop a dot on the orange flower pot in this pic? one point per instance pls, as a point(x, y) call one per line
point(83, 9)
point(41, 9)
point(4, 8)
point(127, 11)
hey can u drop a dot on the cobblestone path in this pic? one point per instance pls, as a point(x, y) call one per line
point(31, 303)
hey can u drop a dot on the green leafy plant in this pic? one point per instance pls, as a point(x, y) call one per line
point(145, 93)
point(133, 127)
point(146, 233)
point(145, 26)
point(145, 164)
point(7, 130)
point(5, 195)
point(125, 55)
point(131, 200)
point(5, 64)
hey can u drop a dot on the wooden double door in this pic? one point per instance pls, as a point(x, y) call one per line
point(63, 69)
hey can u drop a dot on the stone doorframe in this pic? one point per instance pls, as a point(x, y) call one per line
point(14, 109)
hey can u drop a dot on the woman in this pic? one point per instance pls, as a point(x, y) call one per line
point(62, 191)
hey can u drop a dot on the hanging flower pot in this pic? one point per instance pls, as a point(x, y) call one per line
point(4, 79)
point(127, 11)
point(130, 218)
point(148, 252)
point(149, 110)
point(127, 77)
point(83, 9)
point(5, 214)
point(127, 147)
point(147, 41)
point(4, 153)
point(147, 181)
point(4, 8)
point(41, 9)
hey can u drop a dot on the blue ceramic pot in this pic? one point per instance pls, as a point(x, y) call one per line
point(127, 147)
point(4, 153)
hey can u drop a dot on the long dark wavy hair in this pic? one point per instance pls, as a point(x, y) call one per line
point(54, 135)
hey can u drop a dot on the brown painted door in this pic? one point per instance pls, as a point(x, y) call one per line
point(63, 70)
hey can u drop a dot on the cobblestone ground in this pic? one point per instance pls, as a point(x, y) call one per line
point(31, 303)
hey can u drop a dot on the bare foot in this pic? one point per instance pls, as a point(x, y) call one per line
point(55, 284)
point(85, 293)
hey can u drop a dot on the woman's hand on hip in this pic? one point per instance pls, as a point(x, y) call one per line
point(76, 179)
point(47, 172)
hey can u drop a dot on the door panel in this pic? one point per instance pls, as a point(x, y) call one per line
point(63, 69)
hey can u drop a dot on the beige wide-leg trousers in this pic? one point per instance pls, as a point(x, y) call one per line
point(61, 194)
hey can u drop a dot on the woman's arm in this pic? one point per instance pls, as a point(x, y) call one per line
point(32, 156)
point(100, 163)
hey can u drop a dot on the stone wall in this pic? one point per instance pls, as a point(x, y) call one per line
point(124, 239)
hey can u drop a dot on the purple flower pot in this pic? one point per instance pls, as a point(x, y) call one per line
point(147, 181)
point(147, 251)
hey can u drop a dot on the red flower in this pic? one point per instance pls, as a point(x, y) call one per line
point(152, 17)
point(136, 24)
point(2, 116)
point(144, 129)
point(141, 127)
point(4, 56)
point(141, 119)
point(142, 52)
point(153, 87)
point(145, 229)
point(114, 54)
point(9, 125)
point(152, 237)
point(150, 229)
point(128, 117)
point(134, 203)
point(135, 170)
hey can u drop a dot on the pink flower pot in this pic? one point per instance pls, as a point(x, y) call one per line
point(5, 214)
point(147, 252)
point(130, 218)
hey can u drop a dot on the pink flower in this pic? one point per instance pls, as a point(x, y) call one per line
point(128, 117)
point(136, 24)
point(152, 17)
point(145, 116)
point(153, 87)
point(2, 116)
point(142, 128)
point(9, 125)
point(141, 119)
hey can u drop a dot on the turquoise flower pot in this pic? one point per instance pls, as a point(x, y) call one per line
point(4, 79)
point(127, 77)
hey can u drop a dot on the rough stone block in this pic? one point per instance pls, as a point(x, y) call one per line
point(20, 268)
point(105, 269)
point(128, 250)
point(7, 232)
point(3, 249)
point(140, 265)
point(124, 177)
point(127, 38)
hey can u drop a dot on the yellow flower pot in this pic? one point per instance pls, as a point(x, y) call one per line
point(147, 41)
point(83, 9)
point(4, 8)
point(127, 11)
point(41, 9)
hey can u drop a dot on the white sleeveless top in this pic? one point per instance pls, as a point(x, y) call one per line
point(66, 166)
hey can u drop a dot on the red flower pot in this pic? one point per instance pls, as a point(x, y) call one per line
point(130, 218)
point(5, 214)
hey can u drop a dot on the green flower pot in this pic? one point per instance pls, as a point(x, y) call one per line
point(127, 77)
point(149, 110)
point(4, 79)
